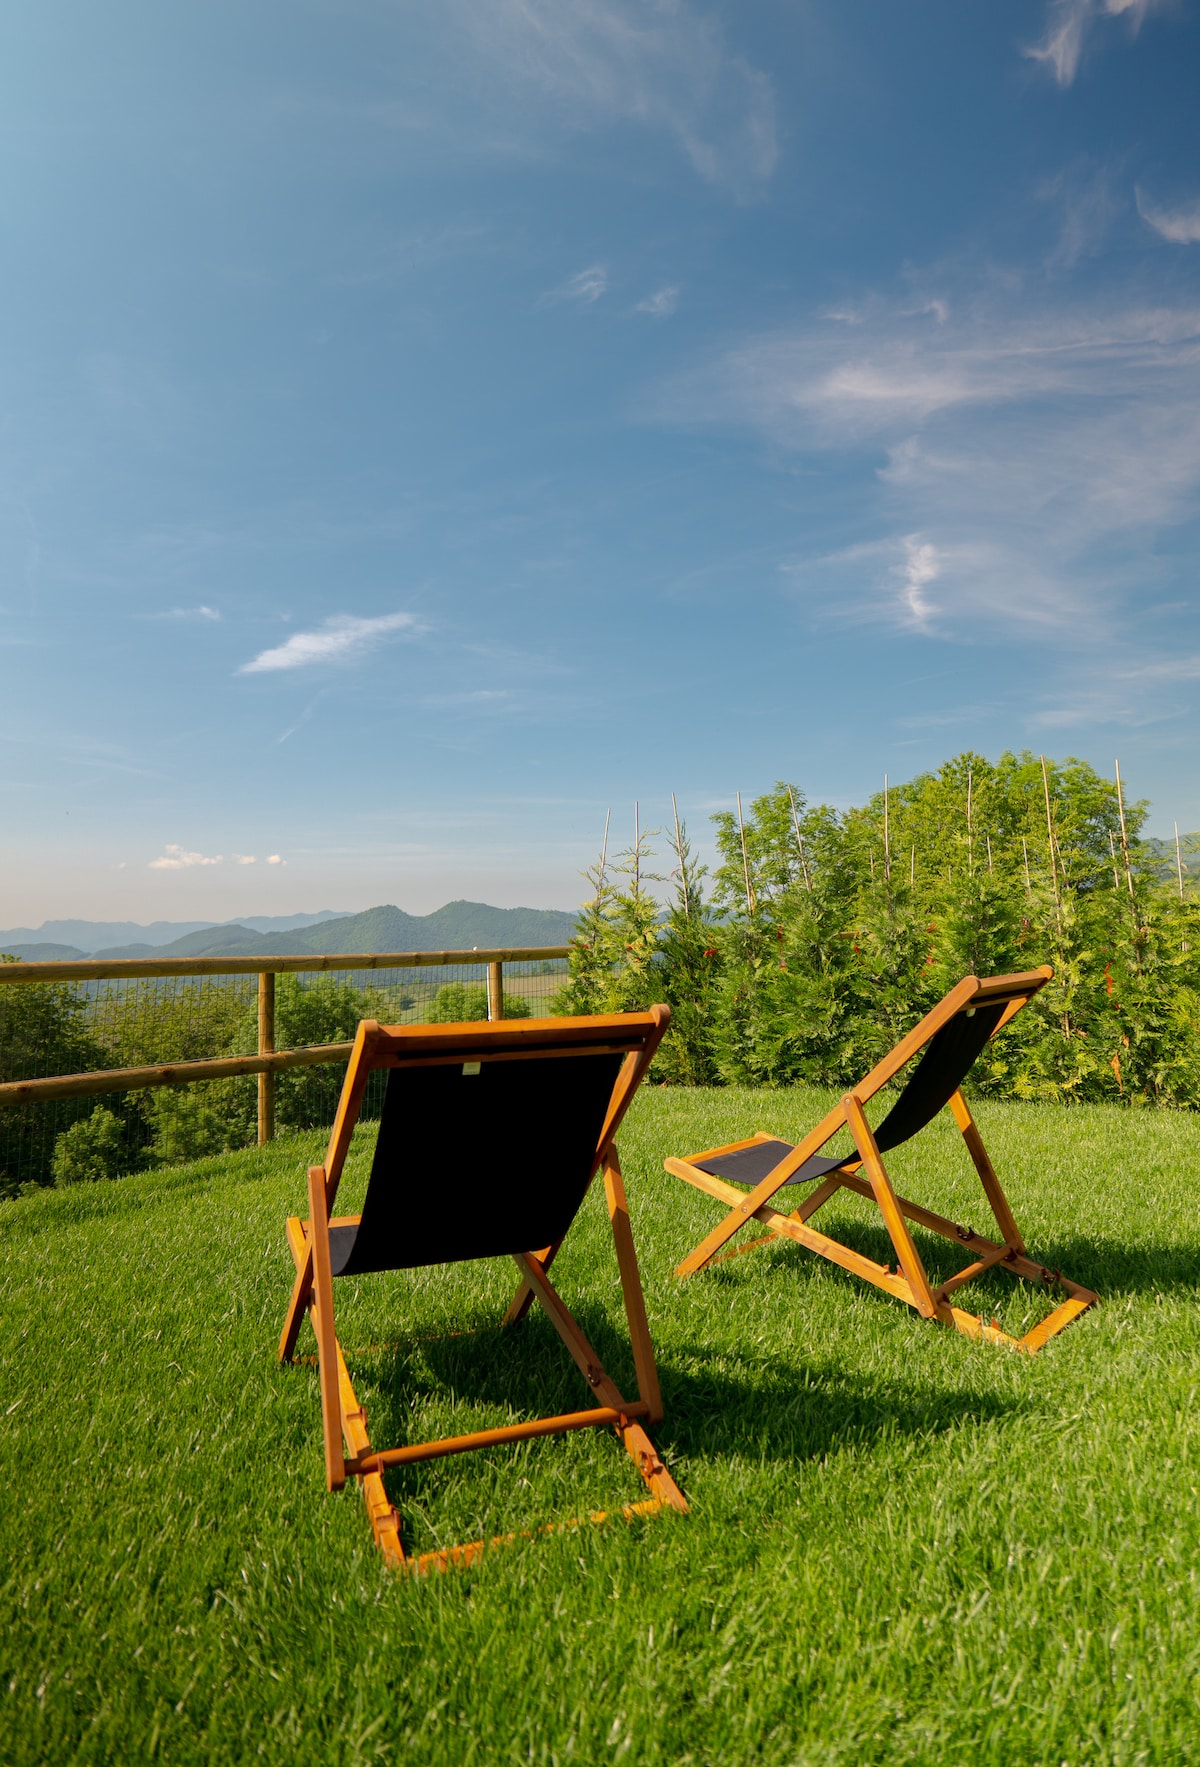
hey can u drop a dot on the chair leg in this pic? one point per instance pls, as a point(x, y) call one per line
point(322, 1317)
point(637, 1443)
point(301, 1289)
point(889, 1208)
point(993, 1189)
point(631, 1288)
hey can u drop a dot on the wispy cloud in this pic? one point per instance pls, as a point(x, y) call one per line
point(920, 568)
point(1069, 23)
point(661, 304)
point(244, 859)
point(340, 639)
point(202, 613)
point(1018, 460)
point(584, 288)
point(664, 66)
point(1180, 225)
point(176, 858)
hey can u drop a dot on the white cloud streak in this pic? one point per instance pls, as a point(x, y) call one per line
point(1181, 225)
point(663, 65)
point(584, 289)
point(1019, 462)
point(1069, 24)
point(176, 858)
point(339, 640)
point(661, 304)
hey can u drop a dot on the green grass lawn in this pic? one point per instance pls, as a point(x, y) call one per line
point(902, 1546)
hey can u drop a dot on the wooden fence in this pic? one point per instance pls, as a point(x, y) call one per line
point(269, 1061)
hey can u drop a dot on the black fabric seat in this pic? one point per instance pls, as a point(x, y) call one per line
point(433, 1196)
point(948, 1058)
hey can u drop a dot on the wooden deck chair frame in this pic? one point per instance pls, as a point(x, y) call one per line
point(348, 1450)
point(908, 1282)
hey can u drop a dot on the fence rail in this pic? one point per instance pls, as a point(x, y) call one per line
point(268, 1061)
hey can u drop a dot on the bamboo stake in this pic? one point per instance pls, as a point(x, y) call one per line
point(745, 861)
point(1178, 862)
point(970, 830)
point(1050, 844)
point(1125, 842)
point(887, 844)
point(637, 851)
point(1112, 847)
point(991, 867)
point(800, 842)
point(912, 867)
point(687, 900)
point(1133, 913)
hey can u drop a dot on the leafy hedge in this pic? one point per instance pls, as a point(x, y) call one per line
point(824, 934)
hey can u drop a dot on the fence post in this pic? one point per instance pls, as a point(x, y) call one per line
point(495, 990)
point(266, 1046)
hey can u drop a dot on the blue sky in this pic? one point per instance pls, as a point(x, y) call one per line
point(425, 425)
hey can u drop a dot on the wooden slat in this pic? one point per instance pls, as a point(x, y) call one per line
point(992, 1187)
point(98, 969)
point(631, 1289)
point(750, 1203)
point(329, 1354)
point(447, 1558)
point(790, 1228)
point(172, 1073)
point(377, 1459)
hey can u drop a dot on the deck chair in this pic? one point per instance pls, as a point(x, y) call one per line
point(948, 1041)
point(489, 1139)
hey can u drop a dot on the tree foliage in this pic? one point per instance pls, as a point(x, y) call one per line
point(825, 934)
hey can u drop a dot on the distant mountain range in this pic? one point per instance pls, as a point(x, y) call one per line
point(458, 926)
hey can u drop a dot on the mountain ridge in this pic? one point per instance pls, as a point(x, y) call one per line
point(456, 926)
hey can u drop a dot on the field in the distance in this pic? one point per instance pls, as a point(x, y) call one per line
point(903, 1547)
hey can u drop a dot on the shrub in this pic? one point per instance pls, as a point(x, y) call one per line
point(92, 1149)
point(460, 1003)
point(190, 1122)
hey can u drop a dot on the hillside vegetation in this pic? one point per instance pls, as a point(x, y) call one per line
point(902, 1547)
point(456, 926)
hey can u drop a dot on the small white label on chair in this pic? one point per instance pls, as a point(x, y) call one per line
point(471, 1067)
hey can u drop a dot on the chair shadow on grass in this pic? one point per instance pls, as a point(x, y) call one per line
point(782, 1408)
point(1111, 1267)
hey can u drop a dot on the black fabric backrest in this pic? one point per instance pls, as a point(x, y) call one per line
point(475, 1165)
point(949, 1057)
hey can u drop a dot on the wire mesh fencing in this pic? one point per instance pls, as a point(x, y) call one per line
point(95, 1024)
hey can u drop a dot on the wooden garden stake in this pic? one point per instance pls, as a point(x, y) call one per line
point(687, 900)
point(1050, 844)
point(887, 845)
point(800, 841)
point(745, 861)
point(1125, 842)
